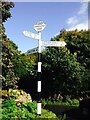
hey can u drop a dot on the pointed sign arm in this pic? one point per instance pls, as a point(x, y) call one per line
point(54, 43)
point(31, 35)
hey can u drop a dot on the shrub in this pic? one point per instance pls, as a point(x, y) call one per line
point(19, 95)
point(48, 115)
point(75, 102)
point(30, 106)
point(71, 102)
point(25, 111)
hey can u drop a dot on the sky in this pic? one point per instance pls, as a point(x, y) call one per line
point(56, 16)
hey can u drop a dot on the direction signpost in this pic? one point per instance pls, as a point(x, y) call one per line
point(39, 27)
point(31, 35)
point(31, 51)
point(53, 43)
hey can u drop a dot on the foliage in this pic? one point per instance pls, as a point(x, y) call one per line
point(68, 102)
point(23, 65)
point(9, 50)
point(78, 43)
point(31, 106)
point(47, 115)
point(75, 102)
point(6, 10)
point(18, 95)
point(63, 71)
point(26, 111)
point(14, 64)
point(64, 74)
point(66, 70)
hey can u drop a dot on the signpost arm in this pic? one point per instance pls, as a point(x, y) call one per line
point(39, 77)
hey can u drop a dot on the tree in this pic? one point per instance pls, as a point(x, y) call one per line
point(61, 72)
point(9, 50)
point(6, 6)
point(78, 43)
point(10, 79)
point(25, 66)
point(66, 70)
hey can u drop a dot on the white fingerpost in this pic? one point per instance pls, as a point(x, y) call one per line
point(39, 27)
point(39, 77)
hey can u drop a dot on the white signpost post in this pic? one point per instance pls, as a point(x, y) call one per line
point(39, 27)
